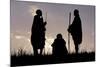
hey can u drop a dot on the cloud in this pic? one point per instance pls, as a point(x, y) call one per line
point(18, 37)
point(22, 41)
point(48, 43)
point(19, 41)
point(32, 10)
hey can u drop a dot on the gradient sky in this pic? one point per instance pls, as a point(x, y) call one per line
point(22, 14)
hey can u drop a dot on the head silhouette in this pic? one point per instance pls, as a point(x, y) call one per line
point(76, 12)
point(59, 36)
point(39, 12)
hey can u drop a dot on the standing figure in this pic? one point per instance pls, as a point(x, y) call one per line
point(76, 30)
point(59, 46)
point(38, 32)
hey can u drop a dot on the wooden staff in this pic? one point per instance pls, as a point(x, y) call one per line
point(69, 33)
point(46, 17)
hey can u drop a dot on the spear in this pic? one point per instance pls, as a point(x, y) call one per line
point(69, 33)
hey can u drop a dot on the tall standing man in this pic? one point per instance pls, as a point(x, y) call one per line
point(38, 33)
point(76, 30)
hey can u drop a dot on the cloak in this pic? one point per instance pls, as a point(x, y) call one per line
point(76, 30)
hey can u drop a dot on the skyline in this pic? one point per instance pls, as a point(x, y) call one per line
point(57, 22)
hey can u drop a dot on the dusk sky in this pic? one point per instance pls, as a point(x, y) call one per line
point(22, 15)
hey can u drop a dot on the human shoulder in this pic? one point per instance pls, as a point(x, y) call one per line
point(35, 16)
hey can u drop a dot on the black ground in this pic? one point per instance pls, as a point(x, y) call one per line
point(23, 60)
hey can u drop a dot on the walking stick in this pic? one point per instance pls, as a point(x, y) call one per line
point(69, 33)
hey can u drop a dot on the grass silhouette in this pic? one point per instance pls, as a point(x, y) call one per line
point(23, 59)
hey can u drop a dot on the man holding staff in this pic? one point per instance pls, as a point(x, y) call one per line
point(76, 30)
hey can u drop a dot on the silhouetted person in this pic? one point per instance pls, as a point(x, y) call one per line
point(38, 33)
point(76, 30)
point(59, 46)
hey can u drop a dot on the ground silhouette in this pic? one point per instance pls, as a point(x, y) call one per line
point(24, 60)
